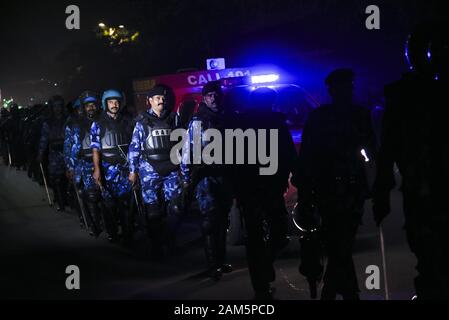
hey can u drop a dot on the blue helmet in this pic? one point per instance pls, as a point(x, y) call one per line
point(88, 96)
point(76, 104)
point(111, 94)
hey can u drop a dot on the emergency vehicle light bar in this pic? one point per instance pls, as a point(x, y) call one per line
point(266, 78)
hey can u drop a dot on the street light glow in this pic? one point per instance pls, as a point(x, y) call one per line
point(101, 25)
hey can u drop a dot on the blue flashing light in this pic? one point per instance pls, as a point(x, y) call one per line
point(266, 78)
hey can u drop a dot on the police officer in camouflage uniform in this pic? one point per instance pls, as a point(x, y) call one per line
point(149, 160)
point(68, 143)
point(52, 141)
point(81, 158)
point(210, 182)
point(110, 137)
point(68, 140)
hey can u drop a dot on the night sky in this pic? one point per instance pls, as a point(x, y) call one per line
point(306, 38)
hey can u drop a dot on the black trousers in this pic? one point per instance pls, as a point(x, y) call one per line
point(427, 226)
point(265, 220)
point(341, 216)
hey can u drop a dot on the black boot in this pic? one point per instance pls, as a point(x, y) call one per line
point(213, 271)
point(93, 212)
point(156, 229)
point(110, 220)
point(126, 217)
point(221, 238)
point(58, 193)
point(221, 235)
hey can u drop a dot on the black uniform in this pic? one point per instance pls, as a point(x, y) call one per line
point(331, 170)
point(52, 141)
point(415, 138)
point(212, 190)
point(261, 200)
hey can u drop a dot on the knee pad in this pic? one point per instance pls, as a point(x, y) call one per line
point(92, 195)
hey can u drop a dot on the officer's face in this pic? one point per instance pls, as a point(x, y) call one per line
point(90, 109)
point(213, 100)
point(113, 106)
point(157, 103)
point(342, 92)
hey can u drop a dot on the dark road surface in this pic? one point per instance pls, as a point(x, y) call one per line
point(37, 244)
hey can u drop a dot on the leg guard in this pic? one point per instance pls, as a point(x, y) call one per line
point(57, 186)
point(156, 227)
point(92, 197)
point(110, 219)
point(126, 216)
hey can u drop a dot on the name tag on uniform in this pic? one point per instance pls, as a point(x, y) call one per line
point(160, 132)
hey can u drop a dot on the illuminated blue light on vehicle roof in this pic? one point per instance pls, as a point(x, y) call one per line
point(266, 78)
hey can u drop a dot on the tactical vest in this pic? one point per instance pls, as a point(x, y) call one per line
point(209, 120)
point(56, 135)
point(86, 150)
point(115, 136)
point(157, 145)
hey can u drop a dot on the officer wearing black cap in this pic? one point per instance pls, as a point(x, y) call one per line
point(331, 174)
point(210, 182)
point(149, 161)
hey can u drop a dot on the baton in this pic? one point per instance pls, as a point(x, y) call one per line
point(384, 262)
point(80, 203)
point(9, 155)
point(46, 186)
point(136, 199)
point(123, 153)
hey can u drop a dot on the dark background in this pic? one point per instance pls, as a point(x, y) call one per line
point(305, 38)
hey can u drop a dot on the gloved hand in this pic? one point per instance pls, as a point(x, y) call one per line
point(381, 207)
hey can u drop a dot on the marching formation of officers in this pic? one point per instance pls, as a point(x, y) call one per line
point(117, 166)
